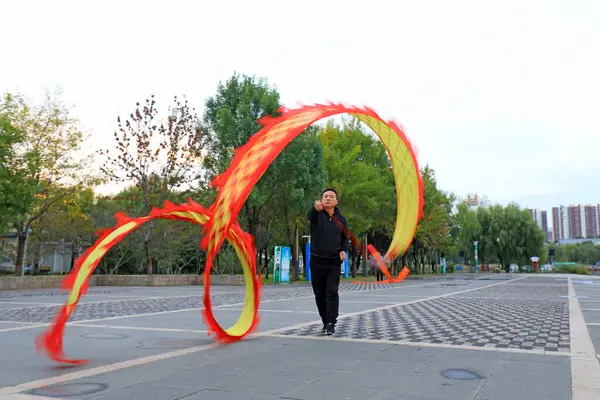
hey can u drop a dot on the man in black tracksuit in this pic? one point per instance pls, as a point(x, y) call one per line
point(328, 245)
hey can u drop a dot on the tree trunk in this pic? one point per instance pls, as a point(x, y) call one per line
point(355, 258)
point(295, 252)
point(267, 260)
point(22, 240)
point(149, 228)
point(259, 258)
point(73, 255)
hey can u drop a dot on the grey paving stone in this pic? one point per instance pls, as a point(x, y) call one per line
point(332, 390)
point(522, 380)
point(595, 336)
point(263, 385)
point(212, 394)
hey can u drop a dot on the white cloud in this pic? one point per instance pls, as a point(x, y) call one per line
point(499, 97)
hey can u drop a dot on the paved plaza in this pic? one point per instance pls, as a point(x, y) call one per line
point(484, 337)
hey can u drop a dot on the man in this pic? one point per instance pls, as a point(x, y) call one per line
point(329, 243)
point(372, 264)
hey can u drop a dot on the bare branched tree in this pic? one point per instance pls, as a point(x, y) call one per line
point(156, 156)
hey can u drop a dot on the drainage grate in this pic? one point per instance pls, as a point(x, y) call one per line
point(70, 390)
point(458, 374)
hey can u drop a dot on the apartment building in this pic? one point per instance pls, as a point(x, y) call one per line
point(541, 219)
point(576, 221)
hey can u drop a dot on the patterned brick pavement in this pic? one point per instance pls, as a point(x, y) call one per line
point(118, 308)
point(13, 294)
point(484, 322)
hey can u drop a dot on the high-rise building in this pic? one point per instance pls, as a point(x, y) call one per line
point(560, 223)
point(576, 221)
point(474, 200)
point(591, 221)
point(598, 218)
point(541, 219)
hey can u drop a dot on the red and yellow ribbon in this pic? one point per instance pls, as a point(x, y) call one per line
point(220, 219)
point(51, 341)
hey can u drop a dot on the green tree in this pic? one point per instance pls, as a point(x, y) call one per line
point(433, 232)
point(358, 166)
point(231, 118)
point(470, 229)
point(16, 169)
point(276, 206)
point(156, 156)
point(583, 253)
point(65, 228)
point(52, 137)
point(514, 235)
point(300, 174)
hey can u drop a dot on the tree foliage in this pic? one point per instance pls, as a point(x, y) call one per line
point(44, 160)
point(586, 252)
point(506, 234)
point(280, 197)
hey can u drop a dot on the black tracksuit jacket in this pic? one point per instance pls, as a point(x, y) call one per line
point(327, 238)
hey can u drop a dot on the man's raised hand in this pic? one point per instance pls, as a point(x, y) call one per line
point(318, 205)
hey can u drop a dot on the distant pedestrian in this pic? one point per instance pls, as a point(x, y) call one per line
point(329, 243)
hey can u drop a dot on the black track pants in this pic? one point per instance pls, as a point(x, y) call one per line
point(325, 278)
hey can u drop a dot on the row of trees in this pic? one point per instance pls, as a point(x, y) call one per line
point(581, 253)
point(505, 235)
point(48, 194)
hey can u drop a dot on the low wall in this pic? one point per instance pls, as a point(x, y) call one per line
point(53, 282)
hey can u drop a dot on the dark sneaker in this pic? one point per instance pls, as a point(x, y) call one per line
point(324, 328)
point(330, 329)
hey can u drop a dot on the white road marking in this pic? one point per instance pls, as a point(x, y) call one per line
point(21, 328)
point(158, 357)
point(20, 396)
point(142, 328)
point(282, 311)
point(585, 368)
point(33, 303)
point(387, 296)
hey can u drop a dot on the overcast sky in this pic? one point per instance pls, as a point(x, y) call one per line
point(500, 97)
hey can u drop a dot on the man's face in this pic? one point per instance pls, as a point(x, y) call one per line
point(329, 199)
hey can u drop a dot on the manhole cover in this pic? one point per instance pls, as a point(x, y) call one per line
point(173, 343)
point(70, 389)
point(460, 374)
point(104, 336)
